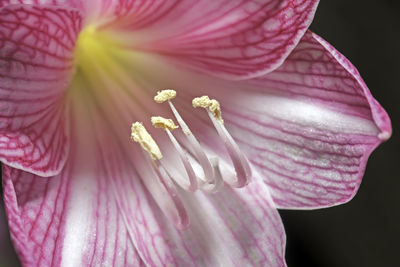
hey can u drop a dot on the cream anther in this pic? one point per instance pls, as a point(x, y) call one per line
point(211, 104)
point(160, 122)
point(139, 134)
point(165, 95)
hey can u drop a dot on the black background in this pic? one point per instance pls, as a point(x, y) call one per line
point(364, 232)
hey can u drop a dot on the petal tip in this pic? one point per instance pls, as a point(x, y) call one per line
point(384, 136)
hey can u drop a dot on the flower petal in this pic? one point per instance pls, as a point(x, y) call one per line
point(232, 227)
point(232, 39)
point(57, 221)
point(36, 64)
point(217, 235)
point(307, 127)
point(65, 3)
point(312, 137)
point(99, 190)
point(226, 228)
point(71, 219)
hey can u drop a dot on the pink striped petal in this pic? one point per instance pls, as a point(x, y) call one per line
point(232, 39)
point(307, 128)
point(36, 64)
point(66, 3)
point(98, 207)
point(310, 138)
point(72, 219)
point(68, 220)
point(234, 227)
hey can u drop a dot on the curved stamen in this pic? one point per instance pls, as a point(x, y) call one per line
point(188, 167)
point(157, 179)
point(165, 194)
point(213, 177)
point(240, 162)
point(198, 151)
point(199, 154)
point(169, 125)
point(218, 181)
point(163, 186)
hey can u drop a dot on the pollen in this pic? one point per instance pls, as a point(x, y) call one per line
point(160, 122)
point(211, 104)
point(165, 95)
point(140, 135)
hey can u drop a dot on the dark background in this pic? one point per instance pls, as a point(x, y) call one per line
point(366, 231)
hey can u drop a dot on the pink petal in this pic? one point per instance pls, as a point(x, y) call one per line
point(227, 228)
point(100, 201)
point(65, 3)
point(71, 219)
point(307, 128)
point(231, 227)
point(58, 221)
point(36, 64)
point(232, 39)
point(234, 227)
point(311, 138)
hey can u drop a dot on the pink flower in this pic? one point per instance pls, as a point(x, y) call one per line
point(75, 74)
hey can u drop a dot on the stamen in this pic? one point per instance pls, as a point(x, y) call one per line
point(201, 157)
point(199, 153)
point(211, 104)
point(139, 134)
point(162, 187)
point(168, 125)
point(166, 176)
point(181, 122)
point(160, 122)
point(192, 186)
point(165, 193)
point(240, 163)
point(165, 95)
point(239, 160)
point(218, 181)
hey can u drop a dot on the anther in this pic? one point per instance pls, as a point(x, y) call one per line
point(211, 104)
point(160, 122)
point(165, 95)
point(140, 135)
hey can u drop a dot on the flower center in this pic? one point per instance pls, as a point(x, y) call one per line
point(110, 78)
point(93, 50)
point(209, 165)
